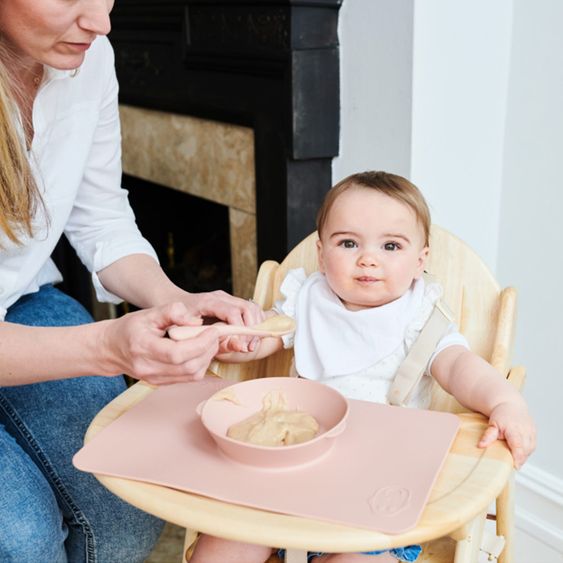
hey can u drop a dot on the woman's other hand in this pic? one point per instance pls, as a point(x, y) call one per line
point(221, 305)
point(231, 310)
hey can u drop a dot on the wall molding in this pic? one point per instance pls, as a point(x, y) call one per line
point(539, 506)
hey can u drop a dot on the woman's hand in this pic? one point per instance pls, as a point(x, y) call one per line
point(511, 422)
point(221, 305)
point(141, 281)
point(136, 344)
point(231, 310)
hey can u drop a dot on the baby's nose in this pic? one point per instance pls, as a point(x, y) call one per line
point(369, 258)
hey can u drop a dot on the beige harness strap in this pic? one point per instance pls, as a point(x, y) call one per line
point(412, 369)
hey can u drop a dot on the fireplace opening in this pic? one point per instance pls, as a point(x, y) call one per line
point(189, 234)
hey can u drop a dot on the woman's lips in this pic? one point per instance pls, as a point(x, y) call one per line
point(77, 47)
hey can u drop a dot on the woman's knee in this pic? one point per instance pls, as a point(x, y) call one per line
point(114, 532)
point(33, 540)
point(31, 523)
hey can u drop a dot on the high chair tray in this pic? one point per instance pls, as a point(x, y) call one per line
point(378, 475)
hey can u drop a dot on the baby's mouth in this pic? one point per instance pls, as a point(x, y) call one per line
point(367, 279)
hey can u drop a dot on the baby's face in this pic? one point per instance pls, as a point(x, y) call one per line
point(371, 248)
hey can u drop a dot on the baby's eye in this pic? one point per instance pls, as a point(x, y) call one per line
point(348, 243)
point(391, 246)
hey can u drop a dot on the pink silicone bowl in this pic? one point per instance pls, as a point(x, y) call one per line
point(327, 405)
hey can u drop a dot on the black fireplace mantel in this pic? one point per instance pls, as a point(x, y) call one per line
point(271, 65)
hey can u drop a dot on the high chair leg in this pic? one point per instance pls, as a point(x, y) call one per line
point(189, 542)
point(295, 556)
point(505, 520)
point(467, 549)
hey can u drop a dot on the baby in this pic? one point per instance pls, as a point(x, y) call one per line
point(358, 317)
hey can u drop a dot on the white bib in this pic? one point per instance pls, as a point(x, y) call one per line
point(332, 341)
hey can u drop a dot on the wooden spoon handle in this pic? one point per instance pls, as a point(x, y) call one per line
point(184, 332)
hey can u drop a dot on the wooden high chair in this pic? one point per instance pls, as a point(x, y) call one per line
point(485, 314)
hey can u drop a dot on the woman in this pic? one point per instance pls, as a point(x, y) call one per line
point(60, 172)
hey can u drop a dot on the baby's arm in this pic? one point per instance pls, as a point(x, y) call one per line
point(480, 387)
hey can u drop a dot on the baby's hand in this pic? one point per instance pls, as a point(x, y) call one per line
point(511, 422)
point(238, 343)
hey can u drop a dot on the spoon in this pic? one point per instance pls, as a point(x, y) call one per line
point(274, 326)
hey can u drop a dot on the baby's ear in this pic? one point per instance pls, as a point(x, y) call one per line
point(320, 257)
point(422, 261)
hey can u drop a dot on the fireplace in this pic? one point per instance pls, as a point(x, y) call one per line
point(236, 103)
point(189, 234)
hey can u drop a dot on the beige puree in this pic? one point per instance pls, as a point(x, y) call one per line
point(275, 424)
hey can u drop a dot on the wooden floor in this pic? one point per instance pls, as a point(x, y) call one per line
point(169, 546)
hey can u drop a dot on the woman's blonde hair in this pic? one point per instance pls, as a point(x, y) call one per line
point(19, 195)
point(391, 185)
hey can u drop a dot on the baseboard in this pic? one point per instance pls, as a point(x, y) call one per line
point(539, 506)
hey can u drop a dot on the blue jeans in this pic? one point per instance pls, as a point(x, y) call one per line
point(49, 511)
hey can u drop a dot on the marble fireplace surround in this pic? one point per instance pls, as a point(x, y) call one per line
point(203, 158)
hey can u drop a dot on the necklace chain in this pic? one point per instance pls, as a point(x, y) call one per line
point(38, 77)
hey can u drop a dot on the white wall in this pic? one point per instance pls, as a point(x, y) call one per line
point(461, 53)
point(376, 90)
point(530, 241)
point(531, 226)
point(482, 138)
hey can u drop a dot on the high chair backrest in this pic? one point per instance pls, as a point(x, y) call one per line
point(484, 313)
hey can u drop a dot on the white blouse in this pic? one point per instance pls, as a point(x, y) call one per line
point(76, 160)
point(358, 352)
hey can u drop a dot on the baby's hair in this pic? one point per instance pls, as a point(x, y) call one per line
point(391, 185)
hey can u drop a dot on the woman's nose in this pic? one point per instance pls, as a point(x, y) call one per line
point(95, 17)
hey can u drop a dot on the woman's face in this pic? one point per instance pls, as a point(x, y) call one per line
point(53, 32)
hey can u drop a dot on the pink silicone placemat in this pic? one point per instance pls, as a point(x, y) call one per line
point(377, 476)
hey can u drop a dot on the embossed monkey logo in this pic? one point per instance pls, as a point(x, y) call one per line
point(389, 500)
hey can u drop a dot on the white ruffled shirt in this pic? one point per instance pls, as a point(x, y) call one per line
point(358, 352)
point(76, 161)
